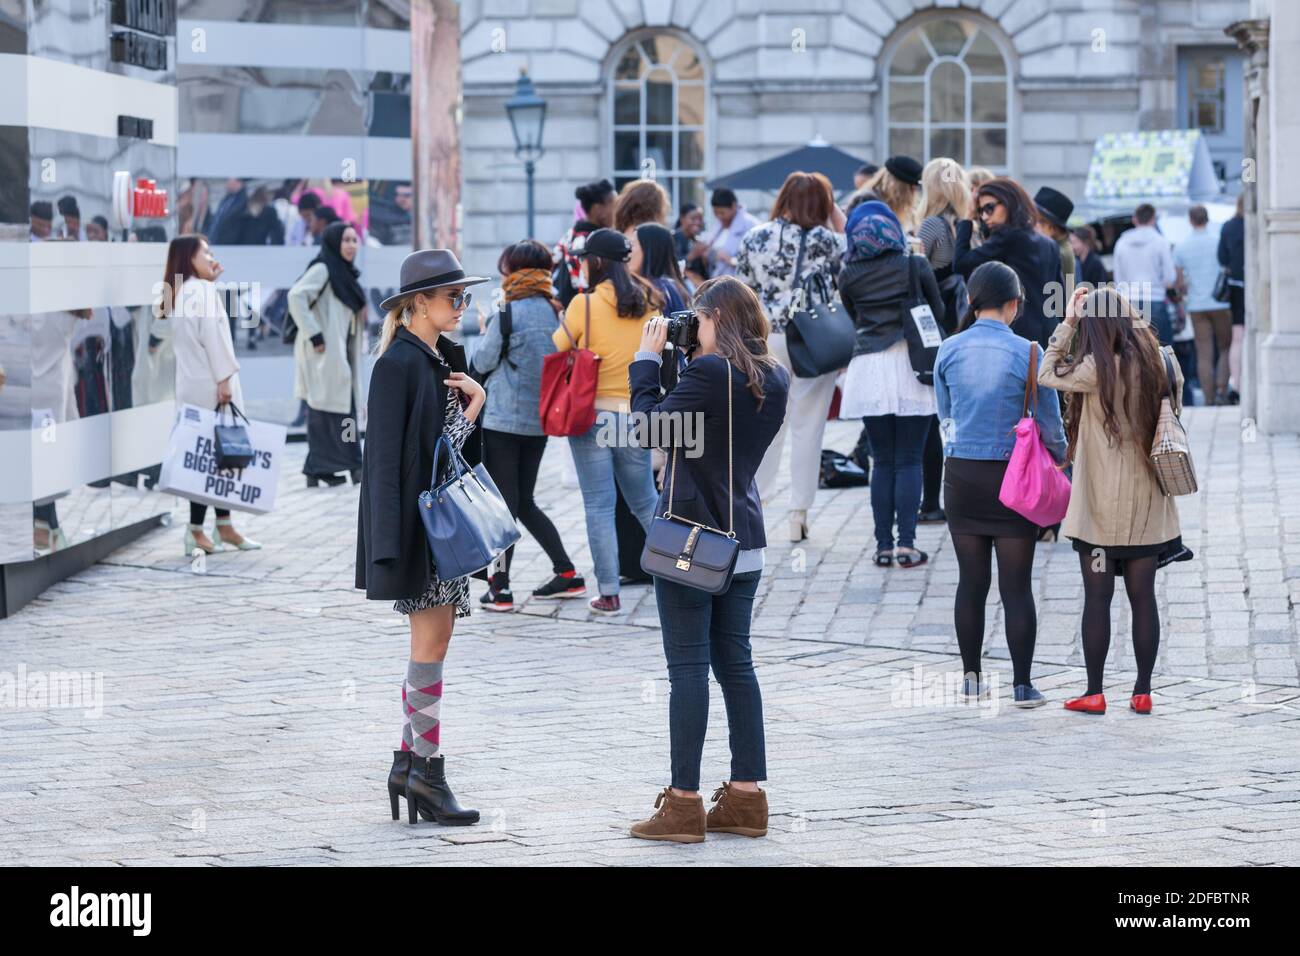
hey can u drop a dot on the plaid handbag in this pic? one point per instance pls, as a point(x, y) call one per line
point(1171, 456)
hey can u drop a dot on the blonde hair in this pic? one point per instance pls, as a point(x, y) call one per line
point(946, 189)
point(899, 196)
point(399, 316)
point(979, 175)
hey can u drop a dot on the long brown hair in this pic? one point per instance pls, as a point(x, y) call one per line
point(180, 266)
point(805, 199)
point(1130, 370)
point(741, 328)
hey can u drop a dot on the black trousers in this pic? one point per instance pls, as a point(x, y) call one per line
point(513, 462)
point(198, 513)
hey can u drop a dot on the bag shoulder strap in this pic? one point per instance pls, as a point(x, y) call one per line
point(586, 335)
point(507, 329)
point(1171, 381)
point(1031, 383)
point(798, 262)
point(731, 498)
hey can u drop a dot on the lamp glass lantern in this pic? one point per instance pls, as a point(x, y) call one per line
point(527, 112)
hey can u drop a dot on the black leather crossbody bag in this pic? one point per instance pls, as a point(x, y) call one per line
point(689, 553)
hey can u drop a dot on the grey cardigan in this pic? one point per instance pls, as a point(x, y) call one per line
point(514, 386)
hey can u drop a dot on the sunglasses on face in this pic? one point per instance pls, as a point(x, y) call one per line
point(460, 300)
point(987, 209)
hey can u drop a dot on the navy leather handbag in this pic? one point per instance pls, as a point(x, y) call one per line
point(465, 518)
point(233, 447)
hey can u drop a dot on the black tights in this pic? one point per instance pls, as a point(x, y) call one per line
point(199, 512)
point(1098, 588)
point(1015, 586)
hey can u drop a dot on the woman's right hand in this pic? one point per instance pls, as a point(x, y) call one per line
point(224, 394)
point(1072, 308)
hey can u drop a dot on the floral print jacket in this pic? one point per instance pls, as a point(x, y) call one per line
point(766, 262)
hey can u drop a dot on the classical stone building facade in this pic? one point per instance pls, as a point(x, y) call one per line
point(699, 88)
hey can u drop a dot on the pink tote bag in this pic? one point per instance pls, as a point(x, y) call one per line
point(1033, 486)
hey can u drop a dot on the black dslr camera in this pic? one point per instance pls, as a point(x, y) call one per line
point(683, 330)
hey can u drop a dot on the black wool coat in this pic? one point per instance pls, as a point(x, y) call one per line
point(407, 412)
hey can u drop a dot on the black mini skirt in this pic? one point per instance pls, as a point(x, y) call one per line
point(970, 499)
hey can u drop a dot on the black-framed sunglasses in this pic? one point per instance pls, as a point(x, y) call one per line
point(460, 300)
point(987, 209)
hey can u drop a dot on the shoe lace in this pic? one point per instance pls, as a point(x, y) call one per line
point(718, 794)
point(659, 803)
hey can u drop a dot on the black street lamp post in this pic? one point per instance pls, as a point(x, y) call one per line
point(527, 112)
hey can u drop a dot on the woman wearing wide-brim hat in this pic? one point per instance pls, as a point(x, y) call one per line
point(1054, 208)
point(419, 392)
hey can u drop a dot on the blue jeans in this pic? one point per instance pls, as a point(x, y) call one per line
point(704, 630)
point(604, 455)
point(897, 443)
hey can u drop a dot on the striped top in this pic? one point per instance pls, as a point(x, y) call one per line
point(936, 237)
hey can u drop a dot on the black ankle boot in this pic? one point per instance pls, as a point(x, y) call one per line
point(397, 778)
point(426, 787)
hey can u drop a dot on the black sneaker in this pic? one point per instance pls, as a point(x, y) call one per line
point(498, 596)
point(562, 586)
point(933, 516)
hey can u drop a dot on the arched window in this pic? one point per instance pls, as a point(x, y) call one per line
point(657, 93)
point(947, 93)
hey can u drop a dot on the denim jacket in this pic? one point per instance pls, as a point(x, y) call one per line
point(514, 386)
point(979, 384)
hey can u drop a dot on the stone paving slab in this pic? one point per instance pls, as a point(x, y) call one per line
point(248, 712)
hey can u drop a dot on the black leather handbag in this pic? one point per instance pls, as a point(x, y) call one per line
point(819, 335)
point(233, 447)
point(466, 521)
point(690, 553)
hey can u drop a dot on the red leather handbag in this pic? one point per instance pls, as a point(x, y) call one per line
point(568, 397)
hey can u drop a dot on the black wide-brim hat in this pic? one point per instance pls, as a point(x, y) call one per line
point(428, 269)
point(1054, 206)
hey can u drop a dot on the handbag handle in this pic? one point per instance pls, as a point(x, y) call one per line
point(1170, 379)
point(453, 458)
point(1031, 381)
point(235, 413)
point(731, 501)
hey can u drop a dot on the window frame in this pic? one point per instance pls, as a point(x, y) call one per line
point(670, 179)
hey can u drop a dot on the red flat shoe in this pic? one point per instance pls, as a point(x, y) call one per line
point(1089, 704)
point(1141, 703)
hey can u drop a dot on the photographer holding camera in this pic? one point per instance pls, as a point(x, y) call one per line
point(737, 389)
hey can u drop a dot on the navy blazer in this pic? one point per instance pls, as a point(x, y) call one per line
point(701, 490)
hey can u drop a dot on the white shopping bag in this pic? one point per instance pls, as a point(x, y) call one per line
point(189, 468)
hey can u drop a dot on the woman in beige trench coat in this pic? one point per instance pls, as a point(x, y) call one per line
point(1121, 523)
point(328, 305)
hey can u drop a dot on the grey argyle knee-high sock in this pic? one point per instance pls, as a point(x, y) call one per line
point(406, 719)
point(423, 704)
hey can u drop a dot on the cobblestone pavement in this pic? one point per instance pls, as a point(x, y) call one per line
point(248, 712)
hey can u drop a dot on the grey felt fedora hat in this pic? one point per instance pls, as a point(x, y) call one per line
point(428, 269)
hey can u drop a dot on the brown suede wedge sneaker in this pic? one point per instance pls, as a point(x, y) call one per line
point(736, 811)
point(678, 819)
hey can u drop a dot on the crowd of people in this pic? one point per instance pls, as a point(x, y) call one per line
point(970, 304)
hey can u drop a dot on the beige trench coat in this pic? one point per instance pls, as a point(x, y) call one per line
point(329, 380)
point(1114, 498)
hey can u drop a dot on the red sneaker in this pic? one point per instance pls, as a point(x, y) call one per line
point(1088, 704)
point(605, 604)
point(1141, 703)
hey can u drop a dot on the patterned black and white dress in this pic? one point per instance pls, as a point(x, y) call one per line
point(456, 591)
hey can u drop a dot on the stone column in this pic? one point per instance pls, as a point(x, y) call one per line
point(1276, 223)
point(435, 122)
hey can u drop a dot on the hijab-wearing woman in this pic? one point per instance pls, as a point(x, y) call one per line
point(328, 305)
point(880, 385)
point(207, 372)
point(1122, 524)
point(980, 382)
point(419, 393)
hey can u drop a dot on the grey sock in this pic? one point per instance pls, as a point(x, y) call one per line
point(423, 702)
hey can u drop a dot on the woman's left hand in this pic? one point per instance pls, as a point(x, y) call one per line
point(469, 389)
point(654, 335)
